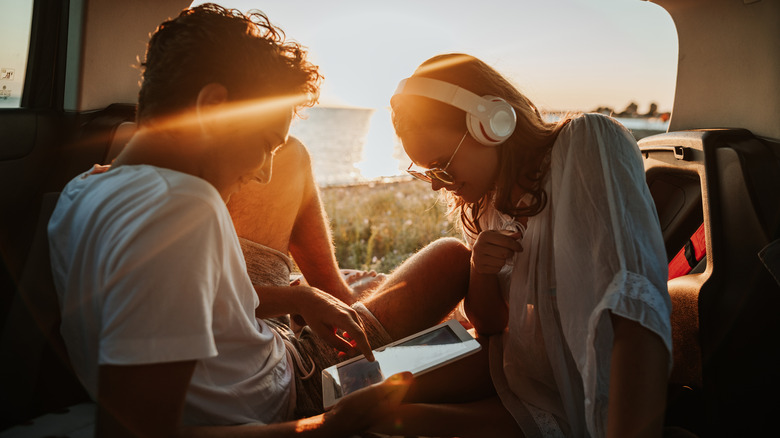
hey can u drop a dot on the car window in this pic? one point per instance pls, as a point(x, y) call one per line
point(15, 23)
point(614, 57)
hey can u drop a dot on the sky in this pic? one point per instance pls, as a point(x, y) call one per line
point(563, 54)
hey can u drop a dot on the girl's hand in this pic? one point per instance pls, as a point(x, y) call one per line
point(492, 249)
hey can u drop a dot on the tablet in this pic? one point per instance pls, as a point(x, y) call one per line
point(419, 353)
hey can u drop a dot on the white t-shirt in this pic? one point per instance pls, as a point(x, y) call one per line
point(148, 269)
point(596, 247)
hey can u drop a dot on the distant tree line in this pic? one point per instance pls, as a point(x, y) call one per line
point(632, 110)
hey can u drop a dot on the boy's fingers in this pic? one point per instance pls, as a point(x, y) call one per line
point(359, 338)
point(336, 341)
point(403, 378)
point(396, 387)
point(362, 344)
point(393, 388)
point(342, 341)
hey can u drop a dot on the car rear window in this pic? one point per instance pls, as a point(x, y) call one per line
point(15, 23)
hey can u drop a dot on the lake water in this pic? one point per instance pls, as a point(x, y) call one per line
point(350, 145)
point(8, 101)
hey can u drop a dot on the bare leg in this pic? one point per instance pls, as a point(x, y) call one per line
point(482, 418)
point(462, 381)
point(424, 290)
point(456, 400)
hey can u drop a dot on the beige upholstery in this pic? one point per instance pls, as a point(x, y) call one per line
point(122, 135)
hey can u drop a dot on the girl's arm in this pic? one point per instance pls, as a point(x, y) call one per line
point(485, 306)
point(637, 384)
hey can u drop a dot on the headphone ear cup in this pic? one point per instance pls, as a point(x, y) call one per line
point(496, 124)
point(478, 131)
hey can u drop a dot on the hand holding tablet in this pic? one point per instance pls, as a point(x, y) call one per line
point(366, 407)
point(418, 354)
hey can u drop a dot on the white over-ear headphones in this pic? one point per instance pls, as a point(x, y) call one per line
point(490, 120)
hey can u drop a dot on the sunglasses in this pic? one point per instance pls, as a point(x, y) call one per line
point(437, 173)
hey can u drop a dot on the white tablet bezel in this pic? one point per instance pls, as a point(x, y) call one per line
point(329, 397)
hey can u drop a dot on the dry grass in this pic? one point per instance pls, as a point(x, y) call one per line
point(379, 225)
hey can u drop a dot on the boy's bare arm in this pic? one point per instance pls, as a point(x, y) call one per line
point(148, 400)
point(323, 313)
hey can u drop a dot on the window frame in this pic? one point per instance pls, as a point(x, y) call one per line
point(44, 76)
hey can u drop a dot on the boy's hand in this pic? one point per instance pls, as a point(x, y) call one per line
point(369, 406)
point(329, 317)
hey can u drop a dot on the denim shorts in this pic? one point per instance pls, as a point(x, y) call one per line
point(311, 354)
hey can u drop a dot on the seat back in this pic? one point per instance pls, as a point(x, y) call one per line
point(37, 375)
point(121, 136)
point(724, 326)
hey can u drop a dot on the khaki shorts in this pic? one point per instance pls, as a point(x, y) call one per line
point(314, 355)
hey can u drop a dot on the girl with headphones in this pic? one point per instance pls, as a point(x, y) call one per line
point(567, 278)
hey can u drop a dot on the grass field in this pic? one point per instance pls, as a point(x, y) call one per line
point(379, 225)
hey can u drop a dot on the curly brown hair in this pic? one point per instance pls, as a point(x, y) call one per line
point(523, 157)
point(210, 44)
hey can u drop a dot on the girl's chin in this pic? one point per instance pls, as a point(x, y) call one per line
point(464, 193)
point(469, 199)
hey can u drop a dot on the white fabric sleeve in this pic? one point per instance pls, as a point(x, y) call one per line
point(489, 219)
point(161, 281)
point(609, 251)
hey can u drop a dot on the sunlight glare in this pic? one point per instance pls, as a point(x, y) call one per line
point(382, 154)
point(243, 111)
point(311, 423)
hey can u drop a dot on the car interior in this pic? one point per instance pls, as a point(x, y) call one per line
point(714, 177)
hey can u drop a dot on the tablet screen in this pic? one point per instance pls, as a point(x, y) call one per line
point(419, 353)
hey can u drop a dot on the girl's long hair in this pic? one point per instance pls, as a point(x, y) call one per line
point(523, 157)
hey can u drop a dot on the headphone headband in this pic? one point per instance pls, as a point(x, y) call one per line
point(490, 120)
point(444, 92)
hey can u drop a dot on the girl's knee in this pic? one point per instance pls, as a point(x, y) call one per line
point(450, 248)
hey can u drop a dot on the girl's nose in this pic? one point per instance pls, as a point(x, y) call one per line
point(436, 185)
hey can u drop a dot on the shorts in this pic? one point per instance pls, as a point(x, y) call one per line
point(310, 355)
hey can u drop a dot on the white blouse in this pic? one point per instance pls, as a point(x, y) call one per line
point(596, 247)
